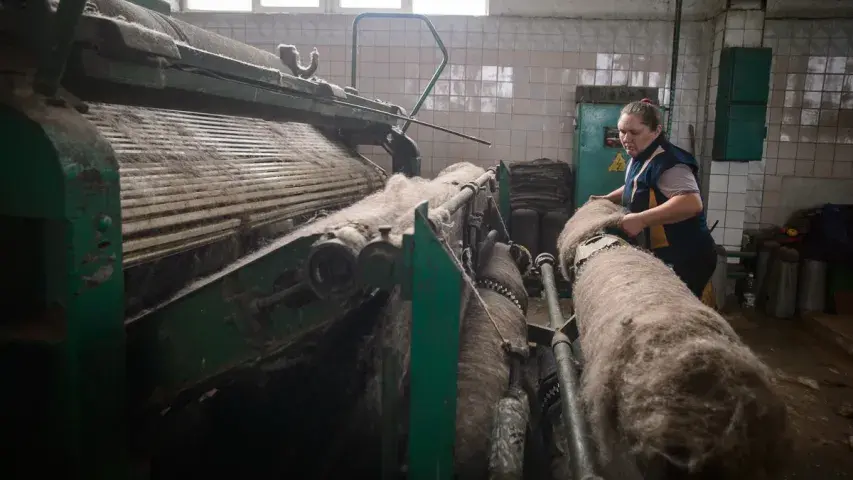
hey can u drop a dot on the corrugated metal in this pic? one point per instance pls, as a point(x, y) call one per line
point(189, 179)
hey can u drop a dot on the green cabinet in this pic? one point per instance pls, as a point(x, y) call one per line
point(742, 94)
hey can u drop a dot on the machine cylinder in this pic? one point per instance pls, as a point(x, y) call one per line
point(512, 414)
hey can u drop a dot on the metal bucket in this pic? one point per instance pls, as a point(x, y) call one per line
point(812, 291)
point(719, 280)
point(763, 264)
point(782, 284)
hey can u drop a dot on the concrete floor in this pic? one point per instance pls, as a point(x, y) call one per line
point(816, 380)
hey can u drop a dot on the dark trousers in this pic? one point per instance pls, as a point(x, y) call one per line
point(696, 269)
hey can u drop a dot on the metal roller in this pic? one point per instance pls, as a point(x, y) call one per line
point(191, 179)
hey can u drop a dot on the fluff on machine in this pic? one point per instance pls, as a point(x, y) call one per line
point(165, 185)
point(182, 212)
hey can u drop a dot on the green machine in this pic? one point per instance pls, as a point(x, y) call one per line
point(159, 183)
point(157, 176)
point(600, 160)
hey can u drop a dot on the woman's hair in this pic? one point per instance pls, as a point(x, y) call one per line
point(648, 112)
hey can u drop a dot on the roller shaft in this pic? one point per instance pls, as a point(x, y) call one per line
point(512, 415)
point(574, 423)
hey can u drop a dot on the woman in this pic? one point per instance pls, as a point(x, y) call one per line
point(661, 193)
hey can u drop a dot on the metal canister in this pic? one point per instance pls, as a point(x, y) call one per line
point(762, 269)
point(812, 286)
point(719, 280)
point(782, 284)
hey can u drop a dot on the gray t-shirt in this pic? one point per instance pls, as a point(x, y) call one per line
point(678, 180)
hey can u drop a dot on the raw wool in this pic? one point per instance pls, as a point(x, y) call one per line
point(592, 218)
point(663, 371)
point(456, 175)
point(401, 194)
point(394, 327)
point(483, 376)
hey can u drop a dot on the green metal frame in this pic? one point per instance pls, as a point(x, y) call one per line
point(434, 274)
point(177, 352)
point(435, 352)
point(62, 176)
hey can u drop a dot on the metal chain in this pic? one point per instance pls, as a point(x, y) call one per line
point(473, 286)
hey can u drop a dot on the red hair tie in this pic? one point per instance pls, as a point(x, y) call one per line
point(646, 100)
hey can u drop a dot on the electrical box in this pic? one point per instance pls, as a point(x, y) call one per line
point(741, 111)
point(599, 159)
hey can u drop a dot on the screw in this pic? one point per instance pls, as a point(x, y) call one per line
point(104, 223)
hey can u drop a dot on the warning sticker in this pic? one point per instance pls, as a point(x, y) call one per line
point(619, 164)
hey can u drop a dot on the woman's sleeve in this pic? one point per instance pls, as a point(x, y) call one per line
point(678, 180)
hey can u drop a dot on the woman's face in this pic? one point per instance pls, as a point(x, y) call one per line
point(635, 135)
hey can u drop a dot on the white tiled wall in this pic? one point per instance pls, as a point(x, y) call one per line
point(810, 119)
point(510, 81)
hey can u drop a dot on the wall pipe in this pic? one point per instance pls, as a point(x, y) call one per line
point(676, 38)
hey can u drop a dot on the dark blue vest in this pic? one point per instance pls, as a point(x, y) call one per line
point(676, 242)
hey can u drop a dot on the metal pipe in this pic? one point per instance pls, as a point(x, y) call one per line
point(439, 43)
point(676, 38)
point(486, 248)
point(466, 193)
point(574, 423)
point(402, 117)
point(377, 262)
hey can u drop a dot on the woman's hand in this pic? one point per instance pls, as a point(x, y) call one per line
point(632, 224)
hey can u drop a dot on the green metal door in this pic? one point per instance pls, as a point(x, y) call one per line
point(600, 160)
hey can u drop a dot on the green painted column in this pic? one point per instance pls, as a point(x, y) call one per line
point(60, 191)
point(435, 353)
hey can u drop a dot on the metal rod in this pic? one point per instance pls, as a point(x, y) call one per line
point(501, 224)
point(486, 249)
point(467, 193)
point(438, 70)
point(676, 39)
point(577, 433)
point(403, 117)
point(55, 56)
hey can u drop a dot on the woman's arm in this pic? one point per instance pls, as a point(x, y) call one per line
point(679, 185)
point(678, 208)
point(674, 210)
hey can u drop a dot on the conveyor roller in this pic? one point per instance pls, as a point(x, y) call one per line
point(190, 179)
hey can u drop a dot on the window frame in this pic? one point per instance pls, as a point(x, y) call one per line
point(258, 8)
point(326, 6)
point(334, 6)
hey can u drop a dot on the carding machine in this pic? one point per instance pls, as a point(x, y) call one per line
point(158, 177)
point(152, 166)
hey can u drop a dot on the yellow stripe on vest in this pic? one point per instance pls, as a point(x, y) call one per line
point(657, 235)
